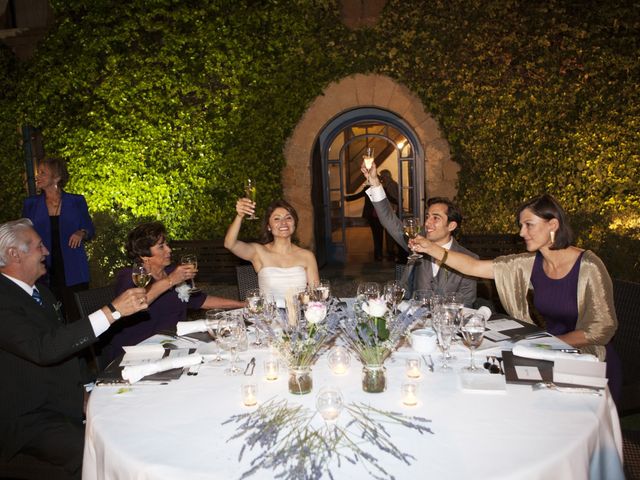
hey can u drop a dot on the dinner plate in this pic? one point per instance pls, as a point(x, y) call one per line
point(483, 382)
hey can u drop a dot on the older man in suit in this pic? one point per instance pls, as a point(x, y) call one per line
point(42, 394)
point(441, 221)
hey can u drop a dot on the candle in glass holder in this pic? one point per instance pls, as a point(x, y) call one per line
point(329, 403)
point(271, 369)
point(339, 360)
point(249, 394)
point(409, 393)
point(413, 367)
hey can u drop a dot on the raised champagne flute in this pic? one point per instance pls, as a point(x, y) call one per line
point(368, 159)
point(411, 228)
point(191, 259)
point(251, 192)
point(140, 275)
point(472, 329)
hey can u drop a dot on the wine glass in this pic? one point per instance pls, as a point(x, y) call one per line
point(229, 336)
point(411, 228)
point(140, 275)
point(422, 299)
point(251, 193)
point(212, 322)
point(444, 330)
point(366, 291)
point(472, 329)
point(393, 294)
point(255, 307)
point(323, 291)
point(191, 259)
point(329, 404)
point(452, 306)
point(368, 159)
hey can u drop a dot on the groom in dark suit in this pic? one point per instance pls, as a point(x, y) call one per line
point(441, 221)
point(42, 394)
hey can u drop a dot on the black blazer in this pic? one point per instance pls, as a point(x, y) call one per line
point(38, 366)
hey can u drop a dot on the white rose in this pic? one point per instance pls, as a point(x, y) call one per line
point(315, 312)
point(375, 307)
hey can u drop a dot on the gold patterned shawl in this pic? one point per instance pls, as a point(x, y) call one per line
point(596, 311)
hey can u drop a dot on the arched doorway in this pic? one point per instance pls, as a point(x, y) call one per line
point(341, 146)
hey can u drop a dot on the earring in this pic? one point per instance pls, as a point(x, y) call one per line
point(552, 234)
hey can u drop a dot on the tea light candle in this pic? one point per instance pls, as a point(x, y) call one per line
point(249, 394)
point(409, 392)
point(339, 360)
point(413, 367)
point(271, 369)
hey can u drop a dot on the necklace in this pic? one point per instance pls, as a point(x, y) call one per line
point(54, 207)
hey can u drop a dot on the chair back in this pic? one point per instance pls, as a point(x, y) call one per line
point(88, 301)
point(28, 467)
point(247, 279)
point(626, 296)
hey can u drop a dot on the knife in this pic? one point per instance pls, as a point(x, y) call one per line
point(250, 366)
point(428, 363)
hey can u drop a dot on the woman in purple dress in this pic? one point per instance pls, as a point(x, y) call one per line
point(571, 288)
point(168, 293)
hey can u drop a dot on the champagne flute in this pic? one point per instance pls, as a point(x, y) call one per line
point(393, 294)
point(140, 275)
point(368, 158)
point(212, 322)
point(473, 327)
point(411, 228)
point(444, 331)
point(191, 259)
point(251, 193)
point(229, 336)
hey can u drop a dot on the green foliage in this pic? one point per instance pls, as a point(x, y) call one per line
point(163, 108)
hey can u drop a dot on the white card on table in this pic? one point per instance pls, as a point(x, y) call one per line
point(527, 373)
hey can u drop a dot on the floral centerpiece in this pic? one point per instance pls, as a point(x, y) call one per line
point(301, 342)
point(374, 341)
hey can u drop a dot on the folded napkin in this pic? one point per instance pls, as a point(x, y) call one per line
point(543, 351)
point(133, 373)
point(194, 326)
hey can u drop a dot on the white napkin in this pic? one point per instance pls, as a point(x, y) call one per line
point(194, 326)
point(133, 373)
point(529, 350)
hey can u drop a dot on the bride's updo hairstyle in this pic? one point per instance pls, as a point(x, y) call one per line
point(265, 234)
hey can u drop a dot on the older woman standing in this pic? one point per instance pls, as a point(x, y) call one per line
point(571, 288)
point(62, 220)
point(281, 265)
point(168, 293)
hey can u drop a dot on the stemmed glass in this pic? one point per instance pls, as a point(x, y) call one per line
point(393, 294)
point(229, 336)
point(452, 305)
point(368, 158)
point(212, 322)
point(366, 291)
point(443, 326)
point(411, 228)
point(251, 192)
point(140, 275)
point(473, 327)
point(190, 259)
point(255, 307)
point(421, 299)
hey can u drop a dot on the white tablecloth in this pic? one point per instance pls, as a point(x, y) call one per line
point(175, 431)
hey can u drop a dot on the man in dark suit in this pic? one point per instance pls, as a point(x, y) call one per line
point(42, 394)
point(442, 220)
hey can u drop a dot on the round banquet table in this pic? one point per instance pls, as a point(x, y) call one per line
point(175, 431)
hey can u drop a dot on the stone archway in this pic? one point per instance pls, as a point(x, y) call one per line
point(355, 92)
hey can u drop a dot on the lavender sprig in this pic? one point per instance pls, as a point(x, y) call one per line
point(292, 448)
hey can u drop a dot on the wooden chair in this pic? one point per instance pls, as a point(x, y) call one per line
point(247, 279)
point(88, 301)
point(626, 296)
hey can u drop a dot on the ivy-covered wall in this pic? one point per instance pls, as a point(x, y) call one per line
point(162, 108)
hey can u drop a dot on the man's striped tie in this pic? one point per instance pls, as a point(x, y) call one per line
point(36, 296)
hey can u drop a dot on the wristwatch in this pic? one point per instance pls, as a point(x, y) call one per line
point(114, 313)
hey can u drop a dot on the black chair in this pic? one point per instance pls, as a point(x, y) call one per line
point(247, 279)
point(626, 296)
point(631, 453)
point(88, 301)
point(30, 468)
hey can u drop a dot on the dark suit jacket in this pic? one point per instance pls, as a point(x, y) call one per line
point(446, 281)
point(38, 368)
point(74, 216)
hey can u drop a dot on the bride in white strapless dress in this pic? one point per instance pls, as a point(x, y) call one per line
point(281, 265)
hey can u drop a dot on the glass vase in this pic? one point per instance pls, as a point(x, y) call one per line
point(374, 378)
point(300, 380)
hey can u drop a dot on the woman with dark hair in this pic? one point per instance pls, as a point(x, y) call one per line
point(570, 287)
point(168, 294)
point(281, 265)
point(62, 220)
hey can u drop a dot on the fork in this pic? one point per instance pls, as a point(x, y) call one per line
point(553, 386)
